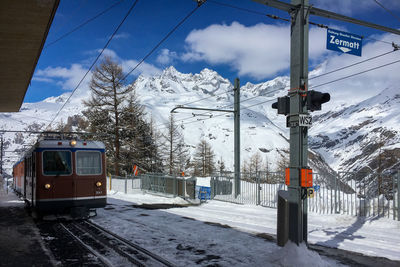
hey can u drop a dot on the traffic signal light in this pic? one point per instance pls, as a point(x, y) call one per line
point(315, 99)
point(283, 105)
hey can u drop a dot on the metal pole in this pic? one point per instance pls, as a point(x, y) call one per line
point(258, 188)
point(298, 134)
point(398, 195)
point(236, 126)
point(126, 183)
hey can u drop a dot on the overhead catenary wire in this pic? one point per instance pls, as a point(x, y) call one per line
point(271, 16)
point(351, 65)
point(355, 74)
point(388, 10)
point(84, 23)
point(270, 100)
point(94, 62)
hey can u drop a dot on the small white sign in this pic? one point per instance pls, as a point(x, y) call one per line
point(305, 120)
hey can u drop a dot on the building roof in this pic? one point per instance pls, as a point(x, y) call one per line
point(24, 25)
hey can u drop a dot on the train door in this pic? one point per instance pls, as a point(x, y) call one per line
point(88, 169)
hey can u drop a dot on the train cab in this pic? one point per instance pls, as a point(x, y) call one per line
point(64, 176)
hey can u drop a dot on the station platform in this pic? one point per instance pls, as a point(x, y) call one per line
point(20, 240)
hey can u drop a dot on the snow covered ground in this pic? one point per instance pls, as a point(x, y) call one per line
point(229, 234)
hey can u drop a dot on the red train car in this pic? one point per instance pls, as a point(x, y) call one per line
point(63, 176)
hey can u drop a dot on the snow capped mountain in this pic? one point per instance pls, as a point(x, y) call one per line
point(361, 135)
point(347, 137)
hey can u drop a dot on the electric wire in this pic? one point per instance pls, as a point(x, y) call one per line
point(201, 99)
point(388, 10)
point(83, 24)
point(269, 100)
point(355, 74)
point(223, 113)
point(351, 65)
point(94, 62)
point(285, 19)
point(163, 39)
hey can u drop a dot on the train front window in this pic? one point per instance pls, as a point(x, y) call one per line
point(57, 163)
point(88, 162)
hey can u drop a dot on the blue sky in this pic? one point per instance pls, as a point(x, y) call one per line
point(233, 42)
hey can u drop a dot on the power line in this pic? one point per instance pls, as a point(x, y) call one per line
point(284, 19)
point(94, 62)
point(199, 4)
point(351, 65)
point(269, 100)
point(226, 106)
point(201, 99)
point(388, 10)
point(84, 23)
point(355, 74)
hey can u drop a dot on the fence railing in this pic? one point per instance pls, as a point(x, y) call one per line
point(125, 184)
point(163, 184)
point(358, 194)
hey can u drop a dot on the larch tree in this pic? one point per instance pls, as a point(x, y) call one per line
point(204, 159)
point(174, 147)
point(108, 93)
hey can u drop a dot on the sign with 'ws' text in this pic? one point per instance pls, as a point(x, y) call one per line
point(344, 42)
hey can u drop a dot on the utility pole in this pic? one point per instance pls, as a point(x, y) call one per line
point(236, 113)
point(299, 11)
point(236, 126)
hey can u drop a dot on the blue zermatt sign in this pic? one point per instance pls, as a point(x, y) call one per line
point(344, 42)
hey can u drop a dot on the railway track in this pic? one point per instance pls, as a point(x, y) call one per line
point(109, 248)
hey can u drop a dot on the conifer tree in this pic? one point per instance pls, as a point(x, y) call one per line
point(108, 93)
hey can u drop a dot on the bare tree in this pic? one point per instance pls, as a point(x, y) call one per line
point(175, 150)
point(255, 162)
point(108, 93)
point(204, 159)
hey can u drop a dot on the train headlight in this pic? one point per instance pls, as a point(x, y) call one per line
point(98, 184)
point(73, 143)
point(47, 186)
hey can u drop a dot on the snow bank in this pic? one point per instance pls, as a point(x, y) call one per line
point(293, 255)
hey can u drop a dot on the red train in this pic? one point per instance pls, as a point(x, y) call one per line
point(63, 176)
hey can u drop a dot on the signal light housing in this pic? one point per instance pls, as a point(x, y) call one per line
point(315, 99)
point(283, 105)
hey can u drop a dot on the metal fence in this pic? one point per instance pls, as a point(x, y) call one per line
point(125, 184)
point(358, 194)
point(352, 193)
point(157, 183)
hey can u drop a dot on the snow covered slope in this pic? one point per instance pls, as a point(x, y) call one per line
point(366, 134)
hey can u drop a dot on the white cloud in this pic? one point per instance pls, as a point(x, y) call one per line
point(260, 51)
point(42, 79)
point(166, 57)
point(122, 35)
point(364, 85)
point(351, 7)
point(144, 68)
point(67, 78)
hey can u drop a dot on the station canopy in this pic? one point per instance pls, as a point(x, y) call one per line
point(24, 25)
